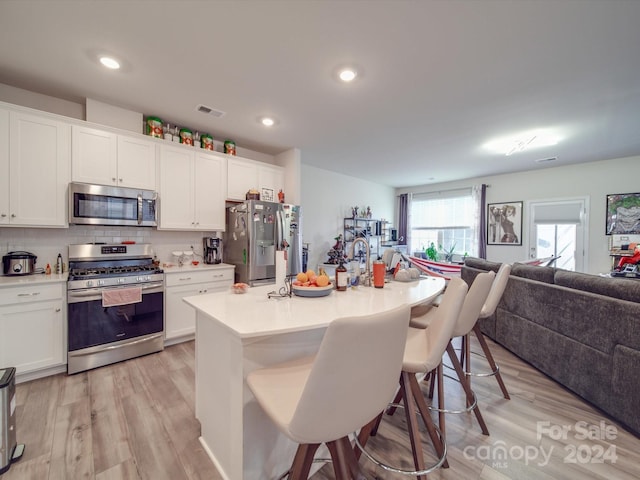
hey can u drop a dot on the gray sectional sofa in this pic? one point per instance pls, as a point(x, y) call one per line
point(581, 330)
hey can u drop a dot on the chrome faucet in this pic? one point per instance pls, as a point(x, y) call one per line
point(368, 257)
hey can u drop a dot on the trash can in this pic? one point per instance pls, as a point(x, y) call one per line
point(9, 451)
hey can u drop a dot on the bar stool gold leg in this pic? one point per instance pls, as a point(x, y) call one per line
point(492, 363)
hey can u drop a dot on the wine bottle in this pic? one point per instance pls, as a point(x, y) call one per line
point(59, 264)
point(342, 277)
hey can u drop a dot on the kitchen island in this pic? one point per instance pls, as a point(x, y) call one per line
point(236, 334)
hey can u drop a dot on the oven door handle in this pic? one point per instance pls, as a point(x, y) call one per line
point(96, 293)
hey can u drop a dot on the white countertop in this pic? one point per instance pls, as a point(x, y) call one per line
point(41, 278)
point(35, 279)
point(175, 268)
point(253, 314)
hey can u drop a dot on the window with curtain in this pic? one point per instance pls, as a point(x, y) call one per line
point(448, 219)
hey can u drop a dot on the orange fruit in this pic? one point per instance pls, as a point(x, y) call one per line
point(310, 273)
point(302, 277)
point(322, 280)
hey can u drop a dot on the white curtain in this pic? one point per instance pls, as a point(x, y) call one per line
point(476, 226)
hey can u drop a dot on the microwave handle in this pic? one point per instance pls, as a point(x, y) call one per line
point(139, 209)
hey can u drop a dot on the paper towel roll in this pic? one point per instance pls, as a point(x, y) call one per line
point(281, 269)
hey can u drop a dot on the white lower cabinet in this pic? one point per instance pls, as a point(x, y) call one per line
point(32, 327)
point(180, 318)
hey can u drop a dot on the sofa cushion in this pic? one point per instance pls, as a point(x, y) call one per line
point(481, 264)
point(533, 272)
point(625, 399)
point(584, 370)
point(624, 289)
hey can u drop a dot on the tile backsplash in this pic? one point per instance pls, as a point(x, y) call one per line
point(46, 243)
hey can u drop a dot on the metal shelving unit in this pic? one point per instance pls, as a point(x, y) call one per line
point(370, 229)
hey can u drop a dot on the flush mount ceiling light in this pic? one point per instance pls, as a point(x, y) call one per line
point(523, 141)
point(109, 62)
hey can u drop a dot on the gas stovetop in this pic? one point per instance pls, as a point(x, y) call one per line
point(105, 265)
point(111, 271)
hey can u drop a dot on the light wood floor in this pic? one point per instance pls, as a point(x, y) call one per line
point(135, 420)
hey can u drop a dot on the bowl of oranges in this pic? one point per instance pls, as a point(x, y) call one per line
point(239, 288)
point(308, 284)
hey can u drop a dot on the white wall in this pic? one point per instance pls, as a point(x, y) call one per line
point(593, 180)
point(327, 198)
point(26, 98)
point(290, 160)
point(105, 114)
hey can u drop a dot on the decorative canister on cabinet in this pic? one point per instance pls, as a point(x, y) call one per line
point(253, 194)
point(230, 147)
point(154, 127)
point(186, 136)
point(207, 141)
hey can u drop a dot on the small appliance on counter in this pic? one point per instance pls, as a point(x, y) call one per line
point(19, 263)
point(212, 250)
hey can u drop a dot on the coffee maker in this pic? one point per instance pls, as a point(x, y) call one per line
point(212, 250)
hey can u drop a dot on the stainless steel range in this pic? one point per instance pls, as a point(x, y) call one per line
point(115, 304)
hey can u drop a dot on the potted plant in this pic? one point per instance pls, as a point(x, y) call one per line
point(448, 254)
point(432, 252)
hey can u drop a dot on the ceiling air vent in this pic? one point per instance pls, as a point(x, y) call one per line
point(545, 160)
point(210, 111)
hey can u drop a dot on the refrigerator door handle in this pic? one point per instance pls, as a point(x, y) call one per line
point(280, 241)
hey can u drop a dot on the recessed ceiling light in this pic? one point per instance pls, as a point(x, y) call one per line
point(267, 121)
point(347, 75)
point(110, 62)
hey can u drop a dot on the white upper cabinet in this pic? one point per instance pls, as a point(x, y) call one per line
point(243, 175)
point(36, 172)
point(4, 167)
point(270, 178)
point(192, 189)
point(210, 191)
point(94, 156)
point(105, 158)
point(136, 163)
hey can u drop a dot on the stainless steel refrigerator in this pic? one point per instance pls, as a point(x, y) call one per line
point(255, 231)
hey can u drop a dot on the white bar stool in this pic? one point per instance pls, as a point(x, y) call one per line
point(488, 309)
point(423, 353)
point(325, 397)
point(471, 308)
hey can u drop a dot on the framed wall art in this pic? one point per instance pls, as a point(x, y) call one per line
point(504, 223)
point(267, 195)
point(623, 214)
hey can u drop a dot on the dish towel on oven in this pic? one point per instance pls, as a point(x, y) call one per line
point(121, 296)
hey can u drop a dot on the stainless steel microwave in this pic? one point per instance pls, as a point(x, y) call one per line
point(105, 205)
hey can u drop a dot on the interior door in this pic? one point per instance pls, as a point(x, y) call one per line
point(559, 228)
